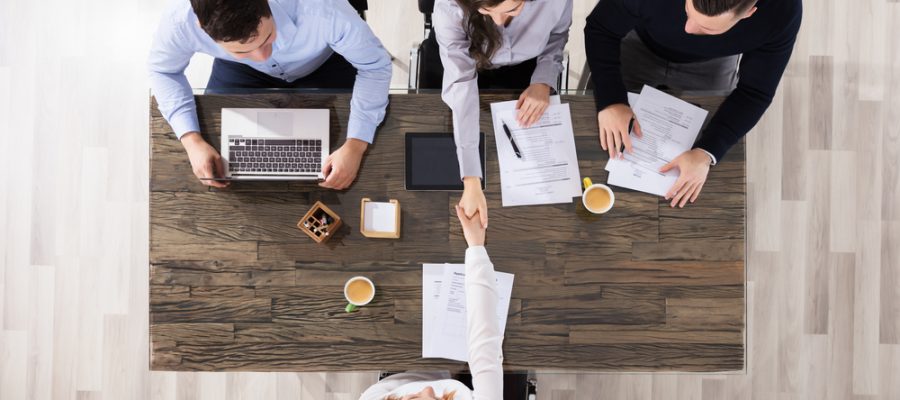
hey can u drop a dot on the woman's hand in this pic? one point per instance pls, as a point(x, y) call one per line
point(473, 231)
point(473, 201)
point(532, 104)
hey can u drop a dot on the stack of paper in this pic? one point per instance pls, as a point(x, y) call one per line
point(670, 127)
point(547, 171)
point(444, 309)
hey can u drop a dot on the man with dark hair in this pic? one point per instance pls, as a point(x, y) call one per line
point(690, 46)
point(271, 44)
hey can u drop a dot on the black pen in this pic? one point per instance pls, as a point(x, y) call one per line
point(511, 140)
point(630, 126)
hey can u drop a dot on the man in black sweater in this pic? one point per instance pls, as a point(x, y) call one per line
point(688, 44)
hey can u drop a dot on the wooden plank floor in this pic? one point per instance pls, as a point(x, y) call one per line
point(823, 223)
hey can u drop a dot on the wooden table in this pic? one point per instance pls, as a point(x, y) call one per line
point(234, 285)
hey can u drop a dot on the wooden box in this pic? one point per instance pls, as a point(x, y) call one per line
point(320, 222)
point(385, 224)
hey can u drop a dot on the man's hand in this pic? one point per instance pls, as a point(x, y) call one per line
point(473, 201)
point(340, 167)
point(532, 104)
point(473, 231)
point(613, 123)
point(205, 160)
point(694, 167)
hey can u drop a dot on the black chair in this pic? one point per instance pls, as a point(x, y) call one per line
point(425, 68)
point(361, 7)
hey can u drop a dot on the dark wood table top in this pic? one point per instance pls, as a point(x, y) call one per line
point(234, 285)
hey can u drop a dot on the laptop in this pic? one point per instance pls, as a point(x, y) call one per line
point(274, 144)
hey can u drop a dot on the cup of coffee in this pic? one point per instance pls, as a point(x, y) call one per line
point(597, 197)
point(359, 291)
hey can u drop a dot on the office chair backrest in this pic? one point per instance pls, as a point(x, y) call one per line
point(361, 6)
point(426, 6)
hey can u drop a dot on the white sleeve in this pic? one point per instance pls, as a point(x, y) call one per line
point(485, 340)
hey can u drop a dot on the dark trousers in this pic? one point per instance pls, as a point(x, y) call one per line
point(640, 66)
point(513, 77)
point(335, 73)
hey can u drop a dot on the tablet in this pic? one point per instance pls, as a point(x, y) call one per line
point(431, 162)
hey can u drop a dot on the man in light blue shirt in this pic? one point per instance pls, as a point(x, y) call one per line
point(271, 44)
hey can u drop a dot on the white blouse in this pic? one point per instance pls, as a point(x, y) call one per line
point(540, 31)
point(485, 342)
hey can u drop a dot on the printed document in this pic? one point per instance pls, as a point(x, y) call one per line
point(669, 126)
point(444, 309)
point(547, 171)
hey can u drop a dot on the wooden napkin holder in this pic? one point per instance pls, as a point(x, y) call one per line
point(391, 234)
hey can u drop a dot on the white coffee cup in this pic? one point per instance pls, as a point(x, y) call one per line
point(588, 188)
point(351, 292)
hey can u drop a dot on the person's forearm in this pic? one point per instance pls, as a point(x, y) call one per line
point(176, 101)
point(484, 338)
point(462, 98)
point(737, 116)
point(602, 49)
point(549, 62)
point(369, 101)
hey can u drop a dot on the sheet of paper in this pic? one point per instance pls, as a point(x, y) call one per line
point(444, 309)
point(547, 172)
point(380, 217)
point(432, 278)
point(669, 126)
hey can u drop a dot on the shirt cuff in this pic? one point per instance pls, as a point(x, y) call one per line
point(711, 157)
point(184, 123)
point(546, 73)
point(476, 253)
point(469, 162)
point(362, 130)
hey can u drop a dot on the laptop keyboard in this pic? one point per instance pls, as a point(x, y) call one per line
point(278, 156)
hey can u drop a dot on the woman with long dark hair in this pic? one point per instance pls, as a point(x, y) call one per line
point(497, 44)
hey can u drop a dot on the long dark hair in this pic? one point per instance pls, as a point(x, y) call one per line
point(484, 38)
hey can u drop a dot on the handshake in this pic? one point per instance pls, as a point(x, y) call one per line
point(473, 230)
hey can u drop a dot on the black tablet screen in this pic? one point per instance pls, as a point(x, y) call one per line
point(431, 162)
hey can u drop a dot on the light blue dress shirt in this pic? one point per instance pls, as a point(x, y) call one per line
point(308, 33)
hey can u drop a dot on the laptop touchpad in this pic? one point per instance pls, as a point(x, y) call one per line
point(275, 124)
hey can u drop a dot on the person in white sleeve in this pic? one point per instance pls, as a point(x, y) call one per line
point(497, 44)
point(483, 330)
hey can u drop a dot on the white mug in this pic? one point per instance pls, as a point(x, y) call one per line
point(353, 305)
point(590, 186)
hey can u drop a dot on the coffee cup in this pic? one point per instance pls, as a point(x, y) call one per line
point(358, 291)
point(597, 197)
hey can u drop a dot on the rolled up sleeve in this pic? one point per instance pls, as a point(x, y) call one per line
point(353, 39)
point(169, 56)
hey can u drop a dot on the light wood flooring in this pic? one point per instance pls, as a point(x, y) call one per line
point(823, 219)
